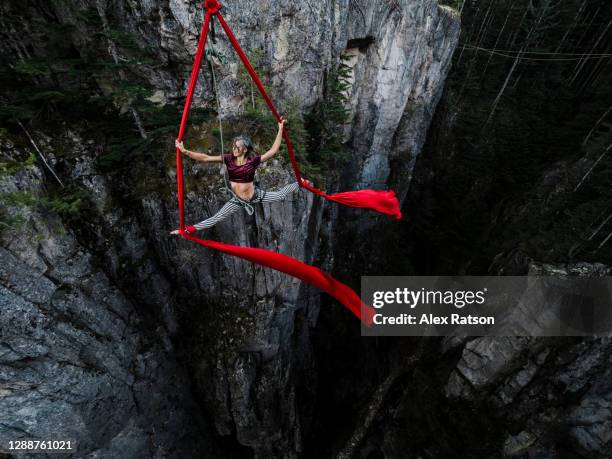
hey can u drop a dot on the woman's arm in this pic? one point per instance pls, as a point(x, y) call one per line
point(277, 142)
point(198, 156)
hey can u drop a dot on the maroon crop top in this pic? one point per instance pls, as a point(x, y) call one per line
point(244, 173)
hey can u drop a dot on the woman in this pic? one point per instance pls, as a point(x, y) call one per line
point(241, 165)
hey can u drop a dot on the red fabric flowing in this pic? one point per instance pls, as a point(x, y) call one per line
point(307, 273)
point(197, 62)
point(381, 201)
point(384, 202)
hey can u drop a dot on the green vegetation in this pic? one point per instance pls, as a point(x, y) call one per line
point(8, 222)
point(67, 204)
point(254, 102)
point(125, 148)
point(454, 4)
point(32, 68)
point(91, 17)
point(327, 150)
point(11, 167)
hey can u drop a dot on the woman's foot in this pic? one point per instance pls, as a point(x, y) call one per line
point(188, 230)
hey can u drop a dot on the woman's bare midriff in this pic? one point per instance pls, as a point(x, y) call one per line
point(243, 190)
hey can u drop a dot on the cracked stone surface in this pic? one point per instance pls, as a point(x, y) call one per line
point(75, 359)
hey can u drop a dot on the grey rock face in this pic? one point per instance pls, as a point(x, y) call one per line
point(76, 360)
point(243, 331)
point(544, 385)
point(498, 397)
point(591, 421)
point(398, 82)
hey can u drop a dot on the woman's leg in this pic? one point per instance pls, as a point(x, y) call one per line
point(271, 196)
point(229, 208)
point(232, 206)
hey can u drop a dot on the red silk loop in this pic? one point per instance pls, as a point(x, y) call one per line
point(212, 6)
point(384, 202)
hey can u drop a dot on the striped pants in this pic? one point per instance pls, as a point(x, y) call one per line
point(234, 204)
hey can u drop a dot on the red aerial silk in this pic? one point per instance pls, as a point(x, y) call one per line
point(381, 201)
point(288, 265)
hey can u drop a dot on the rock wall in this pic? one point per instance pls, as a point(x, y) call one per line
point(545, 389)
point(241, 332)
point(78, 360)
